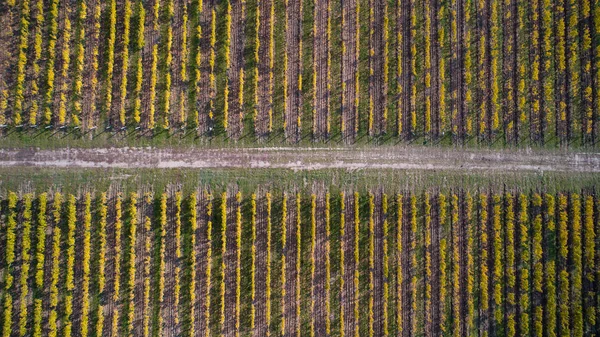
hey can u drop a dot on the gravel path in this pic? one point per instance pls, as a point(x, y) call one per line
point(395, 158)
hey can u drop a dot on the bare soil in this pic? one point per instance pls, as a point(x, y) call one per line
point(320, 293)
point(291, 251)
point(391, 158)
point(349, 69)
point(348, 291)
point(231, 263)
point(170, 306)
point(377, 83)
point(265, 69)
point(235, 72)
point(321, 69)
point(261, 325)
point(293, 104)
point(203, 265)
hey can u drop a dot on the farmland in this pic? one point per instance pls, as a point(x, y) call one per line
point(422, 159)
point(486, 72)
point(201, 261)
point(299, 168)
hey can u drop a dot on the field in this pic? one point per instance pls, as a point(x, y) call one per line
point(489, 72)
point(271, 261)
point(299, 168)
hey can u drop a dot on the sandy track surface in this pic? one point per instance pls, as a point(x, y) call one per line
point(395, 158)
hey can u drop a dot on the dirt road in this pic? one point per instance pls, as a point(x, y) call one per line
point(396, 158)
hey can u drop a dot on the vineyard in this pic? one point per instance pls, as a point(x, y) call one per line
point(376, 262)
point(299, 168)
point(454, 72)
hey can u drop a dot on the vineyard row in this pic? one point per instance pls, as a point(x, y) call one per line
point(409, 263)
point(463, 70)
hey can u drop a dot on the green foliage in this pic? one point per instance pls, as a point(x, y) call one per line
point(547, 260)
point(227, 45)
point(64, 69)
point(36, 62)
point(556, 50)
point(85, 284)
point(130, 258)
point(79, 62)
point(153, 71)
point(147, 263)
point(525, 253)
point(124, 60)
point(223, 251)
point(21, 62)
point(11, 224)
point(137, 70)
point(55, 268)
point(538, 269)
point(576, 269)
point(194, 62)
point(548, 64)
point(25, 262)
point(102, 211)
point(498, 272)
point(456, 307)
point(39, 264)
point(550, 268)
point(589, 248)
point(511, 277)
point(94, 64)
point(117, 262)
point(443, 251)
point(413, 256)
point(484, 277)
point(177, 286)
point(162, 231)
point(563, 275)
point(70, 265)
point(165, 60)
point(191, 260)
point(111, 7)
